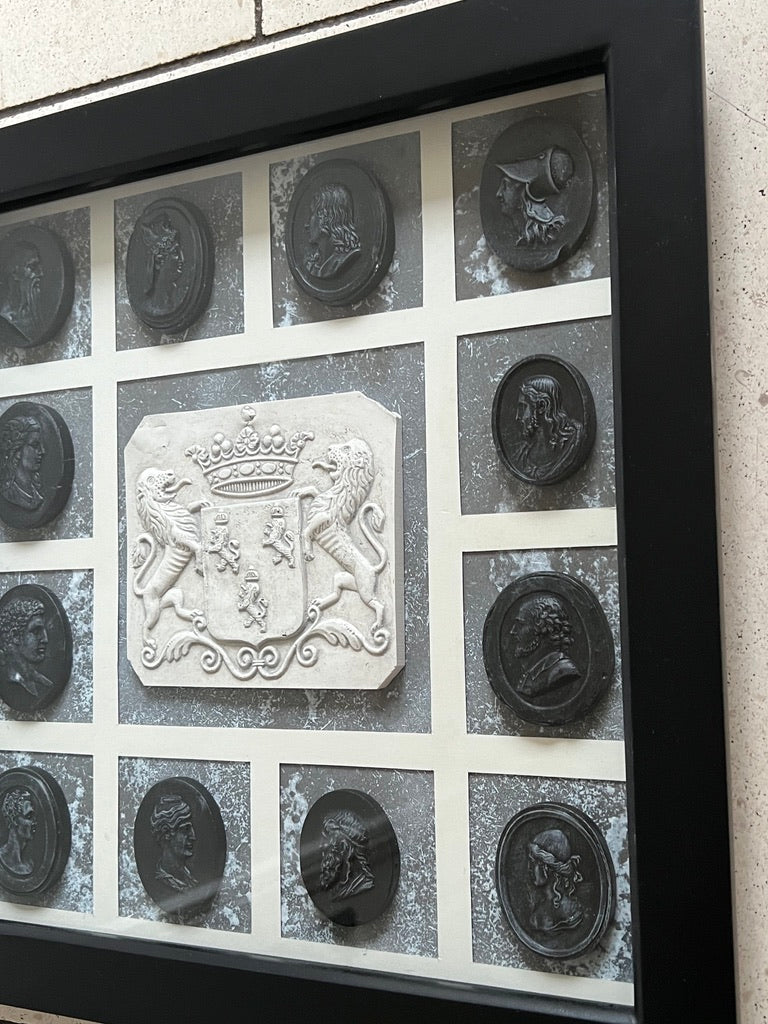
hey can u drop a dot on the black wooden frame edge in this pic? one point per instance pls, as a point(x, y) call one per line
point(650, 51)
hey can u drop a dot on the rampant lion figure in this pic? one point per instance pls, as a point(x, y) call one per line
point(172, 534)
point(350, 467)
point(250, 601)
point(227, 550)
point(279, 537)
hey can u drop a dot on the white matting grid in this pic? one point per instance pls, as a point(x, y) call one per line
point(448, 751)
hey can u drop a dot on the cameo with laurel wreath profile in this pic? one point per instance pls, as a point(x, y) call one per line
point(35, 831)
point(350, 857)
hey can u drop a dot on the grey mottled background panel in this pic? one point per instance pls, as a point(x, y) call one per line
point(478, 269)
point(486, 574)
point(228, 782)
point(75, 591)
point(483, 360)
point(395, 163)
point(409, 925)
point(74, 773)
point(76, 519)
point(74, 339)
point(393, 376)
point(221, 201)
point(493, 801)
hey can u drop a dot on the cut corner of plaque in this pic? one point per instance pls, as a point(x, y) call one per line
point(265, 545)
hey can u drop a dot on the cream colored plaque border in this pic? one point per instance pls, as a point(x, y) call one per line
point(447, 751)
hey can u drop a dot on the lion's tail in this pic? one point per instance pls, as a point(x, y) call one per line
point(372, 515)
point(142, 555)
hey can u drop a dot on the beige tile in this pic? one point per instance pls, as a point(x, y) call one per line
point(284, 15)
point(12, 1015)
point(736, 35)
point(50, 48)
point(287, 15)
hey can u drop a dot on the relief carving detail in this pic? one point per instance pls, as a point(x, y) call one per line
point(321, 562)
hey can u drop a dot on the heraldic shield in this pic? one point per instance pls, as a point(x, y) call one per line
point(254, 580)
point(265, 545)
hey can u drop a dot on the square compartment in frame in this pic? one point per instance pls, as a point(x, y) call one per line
point(479, 270)
point(407, 921)
point(386, 174)
point(496, 799)
point(226, 789)
point(484, 361)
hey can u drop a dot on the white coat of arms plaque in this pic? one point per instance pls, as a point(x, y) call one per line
point(265, 545)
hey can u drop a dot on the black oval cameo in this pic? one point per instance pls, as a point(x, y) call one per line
point(35, 647)
point(543, 420)
point(180, 844)
point(536, 194)
point(350, 858)
point(37, 465)
point(339, 233)
point(548, 648)
point(37, 286)
point(555, 880)
point(35, 831)
point(169, 267)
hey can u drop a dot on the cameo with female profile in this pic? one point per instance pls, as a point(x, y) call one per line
point(37, 465)
point(555, 880)
point(169, 266)
point(180, 845)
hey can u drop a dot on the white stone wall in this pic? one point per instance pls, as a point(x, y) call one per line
point(94, 48)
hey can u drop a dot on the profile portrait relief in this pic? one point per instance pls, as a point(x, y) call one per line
point(549, 437)
point(173, 831)
point(333, 238)
point(344, 867)
point(525, 187)
point(21, 277)
point(554, 872)
point(164, 263)
point(24, 645)
point(541, 637)
point(21, 458)
point(20, 818)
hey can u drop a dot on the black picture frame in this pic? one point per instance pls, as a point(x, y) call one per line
point(650, 54)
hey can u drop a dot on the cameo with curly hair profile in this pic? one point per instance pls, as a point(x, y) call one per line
point(548, 648)
point(339, 233)
point(23, 647)
point(542, 636)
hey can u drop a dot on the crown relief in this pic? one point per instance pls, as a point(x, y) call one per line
point(252, 464)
